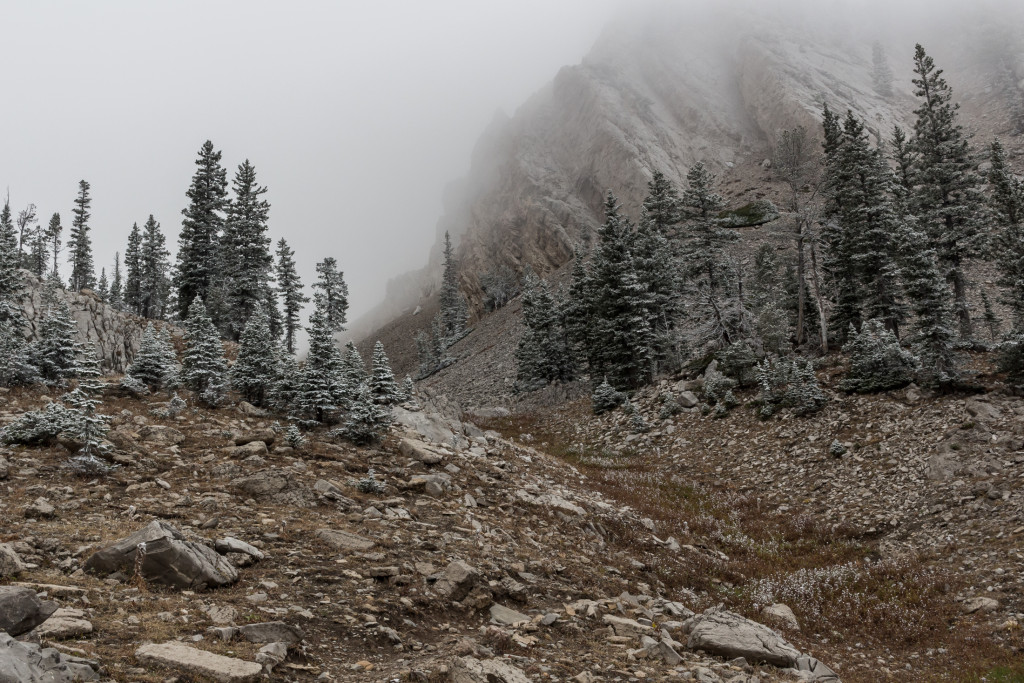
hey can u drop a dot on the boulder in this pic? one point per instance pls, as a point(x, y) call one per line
point(505, 616)
point(271, 632)
point(275, 485)
point(472, 670)
point(181, 657)
point(64, 623)
point(5, 468)
point(41, 509)
point(417, 450)
point(729, 635)
point(10, 561)
point(812, 670)
point(267, 436)
point(250, 449)
point(344, 540)
point(168, 558)
point(28, 663)
point(982, 410)
point(328, 490)
point(783, 615)
point(688, 399)
point(980, 604)
point(456, 581)
point(630, 628)
point(21, 610)
point(233, 545)
point(160, 435)
point(428, 425)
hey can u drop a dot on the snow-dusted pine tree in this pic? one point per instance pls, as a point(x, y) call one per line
point(53, 233)
point(877, 361)
point(245, 252)
point(117, 284)
point(454, 312)
point(367, 422)
point(947, 201)
point(56, 353)
point(103, 286)
point(255, 369)
point(133, 272)
point(933, 339)
point(408, 389)
point(543, 353)
point(321, 390)
point(198, 263)
point(16, 363)
point(881, 72)
point(605, 398)
point(154, 280)
point(331, 296)
point(1007, 204)
point(203, 367)
point(153, 366)
point(383, 387)
point(290, 288)
point(83, 275)
point(353, 370)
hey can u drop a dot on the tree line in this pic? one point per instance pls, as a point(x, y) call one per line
point(881, 242)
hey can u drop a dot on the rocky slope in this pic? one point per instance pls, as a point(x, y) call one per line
point(249, 556)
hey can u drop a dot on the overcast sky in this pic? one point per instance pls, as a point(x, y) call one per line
point(355, 114)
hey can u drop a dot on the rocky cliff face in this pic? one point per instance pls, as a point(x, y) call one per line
point(662, 91)
point(116, 335)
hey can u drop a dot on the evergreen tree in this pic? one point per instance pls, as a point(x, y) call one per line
point(947, 198)
point(117, 284)
point(245, 252)
point(367, 421)
point(577, 309)
point(454, 311)
point(26, 219)
point(332, 293)
point(80, 243)
point(254, 372)
point(154, 282)
point(933, 339)
point(881, 72)
point(990, 317)
point(153, 365)
point(862, 233)
point(620, 345)
point(203, 368)
point(353, 370)
point(408, 390)
point(287, 376)
point(543, 353)
point(877, 362)
point(10, 278)
point(383, 388)
point(39, 251)
point(605, 398)
point(53, 232)
point(905, 160)
point(1007, 204)
point(103, 286)
point(197, 262)
point(290, 287)
point(133, 272)
point(662, 207)
point(321, 390)
point(705, 241)
point(56, 353)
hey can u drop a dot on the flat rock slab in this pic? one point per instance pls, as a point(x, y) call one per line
point(730, 635)
point(233, 545)
point(28, 663)
point(506, 616)
point(472, 670)
point(168, 558)
point(21, 610)
point(271, 632)
point(64, 623)
point(344, 540)
point(181, 657)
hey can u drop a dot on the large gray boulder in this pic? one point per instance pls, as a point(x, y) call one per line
point(10, 561)
point(729, 635)
point(21, 610)
point(472, 670)
point(168, 558)
point(27, 663)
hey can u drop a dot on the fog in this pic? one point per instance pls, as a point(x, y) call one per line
point(356, 115)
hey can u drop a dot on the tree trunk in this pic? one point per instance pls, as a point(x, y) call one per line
point(800, 282)
point(823, 322)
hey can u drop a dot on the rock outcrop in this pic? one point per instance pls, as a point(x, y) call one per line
point(115, 335)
